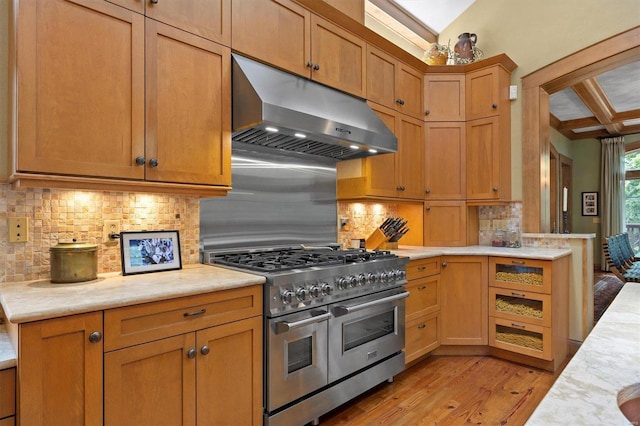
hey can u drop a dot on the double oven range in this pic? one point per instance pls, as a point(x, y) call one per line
point(333, 325)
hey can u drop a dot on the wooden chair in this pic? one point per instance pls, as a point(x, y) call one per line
point(620, 257)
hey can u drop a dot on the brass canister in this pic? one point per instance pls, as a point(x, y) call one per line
point(73, 262)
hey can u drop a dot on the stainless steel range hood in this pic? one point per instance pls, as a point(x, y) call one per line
point(310, 118)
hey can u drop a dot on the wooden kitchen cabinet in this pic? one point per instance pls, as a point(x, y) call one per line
point(445, 161)
point(209, 349)
point(422, 309)
point(392, 83)
point(397, 175)
point(210, 19)
point(487, 92)
point(450, 224)
point(300, 42)
point(60, 369)
point(464, 299)
point(8, 397)
point(444, 97)
point(81, 121)
point(528, 310)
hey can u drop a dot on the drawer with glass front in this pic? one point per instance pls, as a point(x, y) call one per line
point(529, 307)
point(527, 339)
point(520, 274)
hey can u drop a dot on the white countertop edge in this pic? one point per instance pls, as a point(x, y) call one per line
point(586, 391)
point(419, 252)
point(7, 353)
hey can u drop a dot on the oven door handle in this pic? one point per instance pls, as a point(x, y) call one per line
point(284, 326)
point(339, 311)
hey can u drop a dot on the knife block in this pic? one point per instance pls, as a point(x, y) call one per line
point(375, 240)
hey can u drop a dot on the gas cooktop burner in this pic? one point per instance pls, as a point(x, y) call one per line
point(294, 258)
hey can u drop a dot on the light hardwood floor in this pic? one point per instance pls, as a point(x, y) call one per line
point(450, 390)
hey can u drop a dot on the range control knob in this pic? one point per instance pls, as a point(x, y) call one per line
point(287, 296)
point(327, 290)
point(315, 291)
point(371, 278)
point(401, 274)
point(353, 281)
point(342, 283)
point(361, 279)
point(385, 276)
point(301, 294)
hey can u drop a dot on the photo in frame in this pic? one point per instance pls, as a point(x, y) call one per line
point(150, 251)
point(589, 204)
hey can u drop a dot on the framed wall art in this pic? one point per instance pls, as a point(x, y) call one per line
point(589, 204)
point(150, 251)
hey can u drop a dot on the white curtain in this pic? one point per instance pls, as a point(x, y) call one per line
point(612, 189)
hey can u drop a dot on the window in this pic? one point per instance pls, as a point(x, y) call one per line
point(632, 197)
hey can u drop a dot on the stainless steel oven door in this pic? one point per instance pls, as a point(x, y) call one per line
point(296, 356)
point(365, 330)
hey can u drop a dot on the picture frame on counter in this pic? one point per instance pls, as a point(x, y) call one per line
point(150, 251)
point(589, 204)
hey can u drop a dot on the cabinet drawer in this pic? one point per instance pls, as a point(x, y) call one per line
point(424, 297)
point(520, 274)
point(528, 307)
point(527, 339)
point(422, 336)
point(143, 323)
point(7, 392)
point(423, 267)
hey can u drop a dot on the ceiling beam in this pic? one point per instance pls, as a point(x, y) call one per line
point(591, 93)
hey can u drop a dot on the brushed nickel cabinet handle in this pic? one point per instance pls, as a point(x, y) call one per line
point(191, 353)
point(95, 337)
point(194, 314)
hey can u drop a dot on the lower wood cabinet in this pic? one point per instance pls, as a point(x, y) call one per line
point(8, 397)
point(192, 360)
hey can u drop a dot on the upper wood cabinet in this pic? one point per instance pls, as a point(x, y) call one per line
point(450, 224)
point(210, 19)
point(127, 107)
point(392, 83)
point(284, 34)
point(444, 97)
point(444, 161)
point(396, 175)
point(487, 92)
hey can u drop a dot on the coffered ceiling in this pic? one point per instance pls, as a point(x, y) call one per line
point(598, 104)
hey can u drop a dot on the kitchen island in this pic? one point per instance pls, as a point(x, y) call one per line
point(418, 252)
point(608, 360)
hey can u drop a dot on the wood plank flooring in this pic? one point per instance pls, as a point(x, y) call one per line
point(450, 390)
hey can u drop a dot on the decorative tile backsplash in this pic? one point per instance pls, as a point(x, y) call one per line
point(364, 218)
point(501, 217)
point(56, 215)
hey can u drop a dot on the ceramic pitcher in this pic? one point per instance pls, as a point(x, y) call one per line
point(464, 46)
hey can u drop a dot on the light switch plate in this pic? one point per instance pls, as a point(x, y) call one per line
point(513, 92)
point(18, 229)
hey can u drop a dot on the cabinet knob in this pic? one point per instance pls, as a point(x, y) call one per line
point(427, 191)
point(494, 106)
point(427, 112)
point(400, 188)
point(309, 64)
point(400, 101)
point(428, 208)
point(316, 67)
point(421, 326)
point(422, 287)
point(95, 337)
point(153, 162)
point(191, 353)
point(444, 264)
point(153, 1)
point(495, 189)
point(205, 350)
point(140, 161)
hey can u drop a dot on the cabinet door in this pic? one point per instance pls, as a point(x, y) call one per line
point(381, 170)
point(464, 309)
point(210, 19)
point(80, 88)
point(274, 31)
point(483, 93)
point(422, 336)
point(483, 159)
point(60, 371)
point(424, 297)
point(445, 223)
point(444, 161)
point(381, 77)
point(410, 157)
point(339, 58)
point(188, 108)
point(229, 378)
point(151, 384)
point(444, 97)
point(409, 91)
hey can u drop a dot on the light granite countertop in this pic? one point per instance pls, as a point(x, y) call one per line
point(418, 252)
point(586, 391)
point(36, 300)
point(7, 353)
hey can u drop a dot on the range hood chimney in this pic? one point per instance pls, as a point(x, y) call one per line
point(275, 109)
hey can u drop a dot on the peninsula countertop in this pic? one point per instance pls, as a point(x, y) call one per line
point(419, 252)
point(586, 391)
point(37, 300)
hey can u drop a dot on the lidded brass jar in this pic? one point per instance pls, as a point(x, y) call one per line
point(73, 262)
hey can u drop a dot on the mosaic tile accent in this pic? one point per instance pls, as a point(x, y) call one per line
point(502, 217)
point(364, 218)
point(56, 215)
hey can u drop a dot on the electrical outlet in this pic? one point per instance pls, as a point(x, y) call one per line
point(110, 227)
point(18, 229)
